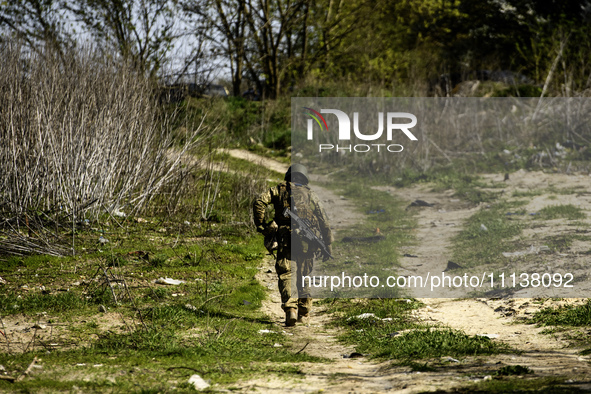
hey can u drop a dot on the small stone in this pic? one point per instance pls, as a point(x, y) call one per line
point(198, 382)
point(353, 355)
point(452, 266)
point(420, 203)
point(119, 213)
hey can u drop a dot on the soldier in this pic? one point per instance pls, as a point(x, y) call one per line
point(294, 194)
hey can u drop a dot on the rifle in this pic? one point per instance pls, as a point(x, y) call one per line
point(304, 226)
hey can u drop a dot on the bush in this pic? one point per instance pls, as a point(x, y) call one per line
point(81, 134)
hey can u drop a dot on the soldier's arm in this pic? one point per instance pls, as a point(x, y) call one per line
point(259, 207)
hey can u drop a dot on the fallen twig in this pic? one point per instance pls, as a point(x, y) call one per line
point(302, 349)
point(133, 303)
point(27, 371)
point(211, 298)
point(220, 332)
point(110, 285)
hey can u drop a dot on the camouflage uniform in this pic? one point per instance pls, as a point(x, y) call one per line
point(281, 197)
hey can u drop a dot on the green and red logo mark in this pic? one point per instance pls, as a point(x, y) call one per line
point(317, 117)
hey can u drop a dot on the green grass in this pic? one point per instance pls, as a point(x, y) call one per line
point(394, 335)
point(527, 193)
point(211, 326)
point(13, 303)
point(573, 316)
point(435, 342)
point(154, 337)
point(568, 316)
point(466, 186)
point(568, 211)
point(486, 235)
point(562, 243)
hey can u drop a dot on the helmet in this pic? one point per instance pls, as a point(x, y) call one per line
point(297, 169)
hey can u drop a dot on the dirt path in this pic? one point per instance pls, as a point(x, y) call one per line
point(254, 158)
point(342, 374)
point(546, 355)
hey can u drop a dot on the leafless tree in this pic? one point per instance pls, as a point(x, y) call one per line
point(139, 30)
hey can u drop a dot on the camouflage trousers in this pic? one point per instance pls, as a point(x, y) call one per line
point(290, 287)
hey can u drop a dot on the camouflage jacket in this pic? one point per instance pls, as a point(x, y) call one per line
point(280, 197)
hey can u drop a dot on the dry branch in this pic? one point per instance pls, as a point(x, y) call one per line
point(27, 371)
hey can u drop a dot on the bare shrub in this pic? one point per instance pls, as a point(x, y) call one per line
point(78, 135)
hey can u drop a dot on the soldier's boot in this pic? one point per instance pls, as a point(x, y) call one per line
point(303, 319)
point(303, 316)
point(290, 317)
